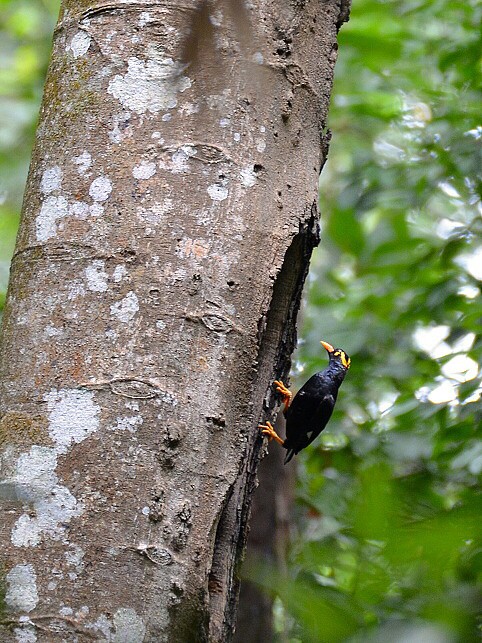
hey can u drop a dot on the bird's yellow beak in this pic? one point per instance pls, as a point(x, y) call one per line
point(327, 346)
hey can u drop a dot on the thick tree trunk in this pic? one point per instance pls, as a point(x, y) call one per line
point(167, 227)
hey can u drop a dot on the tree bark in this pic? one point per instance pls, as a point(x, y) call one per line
point(167, 227)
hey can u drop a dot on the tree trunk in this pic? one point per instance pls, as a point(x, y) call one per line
point(167, 227)
point(270, 524)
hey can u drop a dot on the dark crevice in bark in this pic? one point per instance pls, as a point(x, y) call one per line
point(223, 578)
point(269, 530)
point(277, 344)
point(344, 15)
point(279, 337)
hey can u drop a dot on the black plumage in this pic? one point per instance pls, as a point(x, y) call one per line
point(311, 408)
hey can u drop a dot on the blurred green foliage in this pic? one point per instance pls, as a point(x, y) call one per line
point(26, 28)
point(389, 545)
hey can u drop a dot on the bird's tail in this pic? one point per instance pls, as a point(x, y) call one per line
point(289, 455)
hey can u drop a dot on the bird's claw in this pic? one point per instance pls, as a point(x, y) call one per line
point(270, 433)
point(285, 393)
point(281, 388)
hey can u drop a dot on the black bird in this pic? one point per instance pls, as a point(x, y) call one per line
point(311, 408)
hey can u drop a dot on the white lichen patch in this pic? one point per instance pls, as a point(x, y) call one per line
point(51, 180)
point(104, 626)
point(51, 331)
point(66, 611)
point(128, 423)
point(157, 137)
point(260, 145)
point(79, 209)
point(53, 209)
point(218, 192)
point(26, 633)
point(189, 109)
point(149, 85)
point(166, 398)
point(22, 595)
point(96, 276)
point(216, 18)
point(100, 188)
point(83, 162)
point(144, 18)
point(79, 44)
point(74, 557)
point(96, 210)
point(221, 102)
point(76, 289)
point(248, 176)
point(181, 157)
point(144, 170)
point(51, 515)
point(73, 416)
point(82, 612)
point(129, 627)
point(258, 58)
point(125, 309)
point(112, 335)
point(119, 273)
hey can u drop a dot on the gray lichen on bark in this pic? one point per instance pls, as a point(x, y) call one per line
point(166, 232)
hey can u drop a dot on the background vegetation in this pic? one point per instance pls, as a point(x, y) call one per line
point(389, 542)
point(389, 545)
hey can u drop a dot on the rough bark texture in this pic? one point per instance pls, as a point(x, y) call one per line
point(167, 227)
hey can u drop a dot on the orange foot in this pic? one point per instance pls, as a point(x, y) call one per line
point(285, 393)
point(270, 432)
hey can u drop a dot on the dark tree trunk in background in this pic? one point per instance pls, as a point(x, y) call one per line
point(270, 524)
point(167, 227)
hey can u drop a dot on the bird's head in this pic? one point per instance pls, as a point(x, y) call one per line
point(337, 355)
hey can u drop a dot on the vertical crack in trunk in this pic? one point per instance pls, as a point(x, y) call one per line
point(276, 346)
point(279, 337)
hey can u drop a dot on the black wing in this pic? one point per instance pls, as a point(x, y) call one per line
point(308, 415)
point(323, 414)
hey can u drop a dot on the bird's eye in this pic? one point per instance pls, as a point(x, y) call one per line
point(346, 361)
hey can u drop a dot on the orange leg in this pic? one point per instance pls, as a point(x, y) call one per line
point(285, 393)
point(270, 432)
